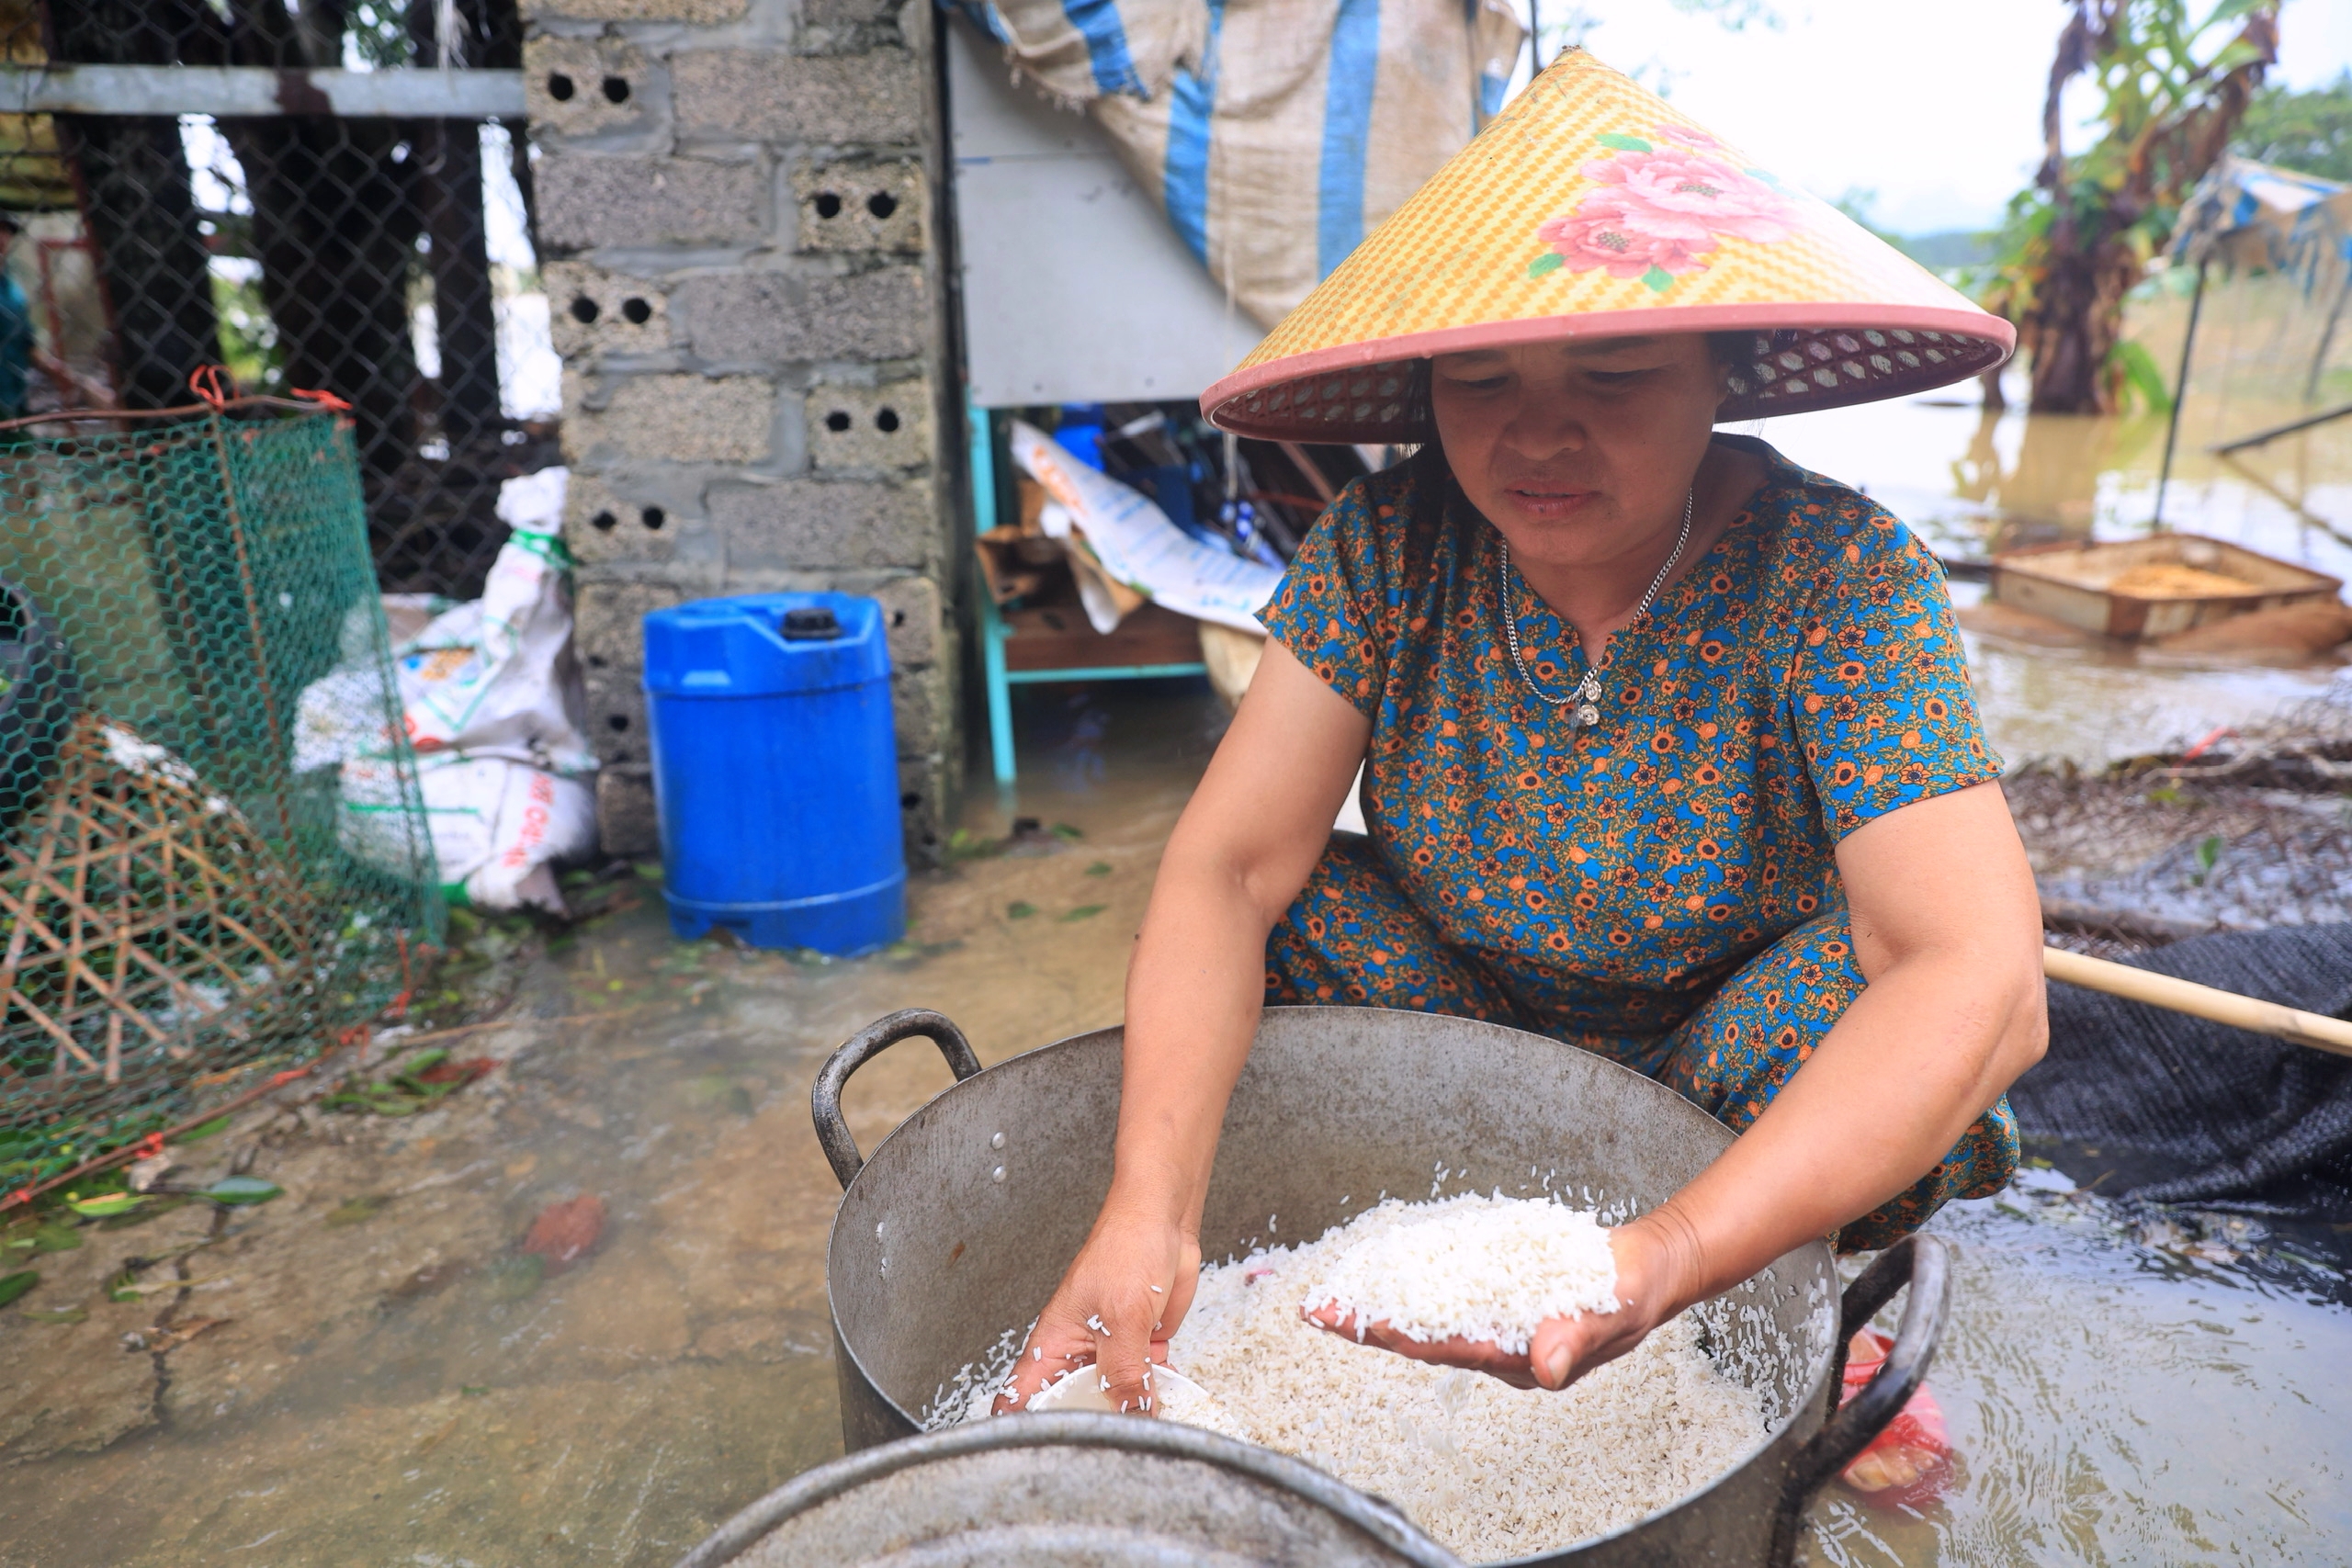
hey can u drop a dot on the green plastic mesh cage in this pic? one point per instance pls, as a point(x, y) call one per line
point(186, 604)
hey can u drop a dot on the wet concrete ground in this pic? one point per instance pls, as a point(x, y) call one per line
point(362, 1372)
point(388, 1385)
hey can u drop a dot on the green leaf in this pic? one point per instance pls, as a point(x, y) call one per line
point(473, 1391)
point(62, 1314)
point(154, 1209)
point(1065, 831)
point(1019, 909)
point(1099, 868)
point(1082, 912)
point(422, 1061)
point(2142, 375)
point(123, 1287)
point(16, 1284)
point(198, 1134)
point(1623, 143)
point(105, 1205)
point(1545, 265)
point(512, 1279)
point(244, 1190)
point(1658, 279)
point(56, 1238)
point(650, 870)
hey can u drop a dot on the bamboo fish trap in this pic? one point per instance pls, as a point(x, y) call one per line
point(140, 907)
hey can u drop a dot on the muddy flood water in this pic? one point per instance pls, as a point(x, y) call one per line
point(364, 1371)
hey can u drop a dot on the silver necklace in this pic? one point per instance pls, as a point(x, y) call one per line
point(1585, 693)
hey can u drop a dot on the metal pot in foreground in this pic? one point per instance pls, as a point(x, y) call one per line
point(1102, 1490)
point(960, 1224)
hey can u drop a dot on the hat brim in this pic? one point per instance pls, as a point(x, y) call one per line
point(1806, 356)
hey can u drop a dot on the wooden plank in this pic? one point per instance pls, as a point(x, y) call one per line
point(1060, 636)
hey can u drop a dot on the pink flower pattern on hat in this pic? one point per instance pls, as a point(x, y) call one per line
point(1610, 230)
point(1655, 210)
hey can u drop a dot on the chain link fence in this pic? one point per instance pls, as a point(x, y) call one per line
point(388, 262)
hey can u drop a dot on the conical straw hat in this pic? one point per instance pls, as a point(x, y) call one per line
point(1591, 208)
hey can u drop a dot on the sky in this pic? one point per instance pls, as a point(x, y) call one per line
point(1934, 105)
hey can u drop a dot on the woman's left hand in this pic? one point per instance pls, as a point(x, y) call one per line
point(1563, 1348)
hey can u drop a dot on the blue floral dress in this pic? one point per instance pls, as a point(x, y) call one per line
point(1659, 886)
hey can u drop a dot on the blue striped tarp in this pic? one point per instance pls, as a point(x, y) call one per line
point(1275, 133)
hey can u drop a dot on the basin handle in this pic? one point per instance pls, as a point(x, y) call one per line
point(1924, 1263)
point(825, 1098)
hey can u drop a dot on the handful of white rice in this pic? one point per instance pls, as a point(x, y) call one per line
point(1492, 1471)
point(1467, 1268)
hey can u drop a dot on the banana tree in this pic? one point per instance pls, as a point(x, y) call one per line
point(2171, 88)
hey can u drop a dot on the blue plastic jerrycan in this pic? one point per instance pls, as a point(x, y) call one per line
point(775, 771)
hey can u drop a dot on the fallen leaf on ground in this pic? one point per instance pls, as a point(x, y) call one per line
point(155, 1208)
point(351, 1211)
point(244, 1190)
point(62, 1314)
point(458, 1073)
point(512, 1279)
point(1084, 911)
point(565, 1233)
point(179, 1333)
point(16, 1284)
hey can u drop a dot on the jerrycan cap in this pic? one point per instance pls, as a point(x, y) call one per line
point(813, 624)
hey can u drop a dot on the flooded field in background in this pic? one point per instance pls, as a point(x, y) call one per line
point(1973, 483)
point(374, 1382)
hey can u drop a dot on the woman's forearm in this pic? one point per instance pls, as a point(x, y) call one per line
point(1927, 1047)
point(1238, 856)
point(1195, 988)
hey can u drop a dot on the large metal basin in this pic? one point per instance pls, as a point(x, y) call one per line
point(961, 1222)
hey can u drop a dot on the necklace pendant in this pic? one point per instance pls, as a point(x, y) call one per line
point(1588, 714)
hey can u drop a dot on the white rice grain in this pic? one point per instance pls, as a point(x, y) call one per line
point(1490, 1471)
point(1468, 1268)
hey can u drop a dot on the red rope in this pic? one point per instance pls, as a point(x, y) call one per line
point(206, 380)
point(2199, 749)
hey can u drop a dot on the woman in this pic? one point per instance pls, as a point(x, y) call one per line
point(1670, 749)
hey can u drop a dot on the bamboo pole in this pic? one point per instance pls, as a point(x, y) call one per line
point(2332, 1034)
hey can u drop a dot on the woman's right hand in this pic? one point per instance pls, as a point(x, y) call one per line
point(1123, 1295)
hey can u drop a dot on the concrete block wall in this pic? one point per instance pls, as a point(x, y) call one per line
point(744, 273)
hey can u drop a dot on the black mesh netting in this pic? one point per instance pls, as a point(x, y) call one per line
point(385, 261)
point(2217, 1117)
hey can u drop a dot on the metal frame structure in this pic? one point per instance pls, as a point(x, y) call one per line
point(997, 680)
